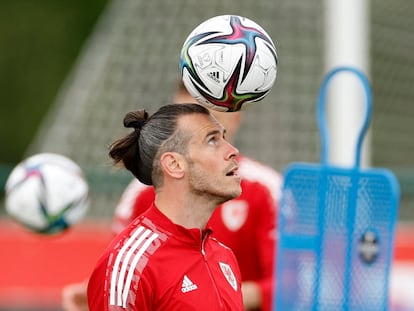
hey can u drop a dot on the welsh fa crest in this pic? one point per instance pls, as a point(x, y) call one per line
point(228, 273)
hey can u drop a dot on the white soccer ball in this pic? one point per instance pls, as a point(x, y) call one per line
point(228, 62)
point(47, 193)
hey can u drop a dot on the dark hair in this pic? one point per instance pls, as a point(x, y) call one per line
point(140, 150)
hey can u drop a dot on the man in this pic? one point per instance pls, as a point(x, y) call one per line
point(246, 224)
point(166, 259)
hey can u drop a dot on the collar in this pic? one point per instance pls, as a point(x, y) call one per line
point(160, 222)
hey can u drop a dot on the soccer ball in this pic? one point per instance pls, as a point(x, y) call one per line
point(228, 62)
point(47, 193)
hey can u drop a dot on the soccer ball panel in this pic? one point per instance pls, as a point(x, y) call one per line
point(47, 193)
point(262, 74)
point(215, 64)
point(190, 85)
point(227, 62)
point(26, 198)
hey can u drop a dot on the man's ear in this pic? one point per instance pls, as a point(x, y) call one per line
point(173, 164)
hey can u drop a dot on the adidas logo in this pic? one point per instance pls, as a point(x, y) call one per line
point(187, 285)
point(215, 75)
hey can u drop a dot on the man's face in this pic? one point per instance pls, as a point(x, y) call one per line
point(212, 168)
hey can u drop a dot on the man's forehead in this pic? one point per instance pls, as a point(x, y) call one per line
point(199, 122)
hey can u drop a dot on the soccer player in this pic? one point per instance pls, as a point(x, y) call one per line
point(246, 224)
point(167, 259)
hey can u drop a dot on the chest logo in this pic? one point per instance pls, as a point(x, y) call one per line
point(187, 285)
point(228, 273)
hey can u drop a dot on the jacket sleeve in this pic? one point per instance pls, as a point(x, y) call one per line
point(103, 295)
point(144, 296)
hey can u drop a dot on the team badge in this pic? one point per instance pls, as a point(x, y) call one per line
point(228, 273)
point(234, 214)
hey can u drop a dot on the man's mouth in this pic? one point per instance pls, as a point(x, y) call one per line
point(233, 171)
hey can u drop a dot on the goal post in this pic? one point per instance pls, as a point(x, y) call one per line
point(347, 42)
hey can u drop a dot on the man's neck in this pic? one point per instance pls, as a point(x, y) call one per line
point(189, 212)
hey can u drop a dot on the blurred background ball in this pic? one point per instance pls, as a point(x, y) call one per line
point(228, 62)
point(47, 193)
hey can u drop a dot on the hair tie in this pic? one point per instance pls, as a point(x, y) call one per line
point(136, 119)
point(139, 124)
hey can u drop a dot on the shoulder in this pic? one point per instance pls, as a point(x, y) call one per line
point(128, 257)
point(140, 237)
point(136, 244)
point(254, 171)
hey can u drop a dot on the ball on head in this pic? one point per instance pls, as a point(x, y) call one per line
point(228, 62)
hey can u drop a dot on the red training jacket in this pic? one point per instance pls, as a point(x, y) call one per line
point(155, 264)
